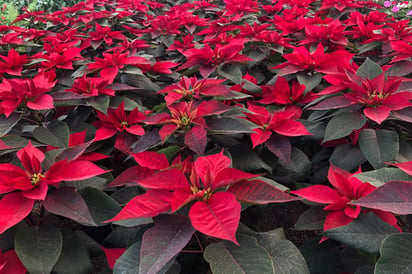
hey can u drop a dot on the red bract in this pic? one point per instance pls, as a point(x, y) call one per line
point(57, 60)
point(10, 263)
point(240, 7)
point(185, 44)
point(402, 50)
point(77, 140)
point(303, 60)
point(90, 86)
point(31, 182)
point(13, 63)
point(214, 213)
point(281, 93)
point(117, 120)
point(347, 188)
point(329, 35)
point(130, 47)
point(209, 58)
point(189, 88)
point(111, 63)
point(282, 122)
point(30, 92)
point(379, 95)
point(105, 34)
point(189, 118)
point(339, 5)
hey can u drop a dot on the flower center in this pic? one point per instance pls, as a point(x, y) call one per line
point(124, 124)
point(185, 121)
point(35, 178)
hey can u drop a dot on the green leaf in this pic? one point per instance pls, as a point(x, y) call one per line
point(129, 262)
point(322, 257)
point(74, 257)
point(347, 157)
point(100, 103)
point(66, 202)
point(56, 134)
point(396, 255)
point(165, 240)
point(232, 73)
point(95, 182)
point(383, 175)
point(379, 146)
point(142, 82)
point(365, 233)
point(250, 257)
point(229, 125)
point(299, 162)
point(369, 46)
point(6, 124)
point(369, 69)
point(101, 206)
point(342, 125)
point(38, 248)
point(286, 257)
point(246, 159)
point(312, 219)
point(309, 81)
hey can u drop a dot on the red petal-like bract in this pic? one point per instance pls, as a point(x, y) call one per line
point(11, 264)
point(207, 167)
point(73, 171)
point(14, 208)
point(336, 219)
point(152, 160)
point(230, 176)
point(170, 179)
point(405, 167)
point(132, 176)
point(259, 192)
point(150, 204)
point(112, 254)
point(318, 193)
point(196, 139)
point(218, 217)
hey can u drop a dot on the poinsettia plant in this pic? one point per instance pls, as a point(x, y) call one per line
point(206, 136)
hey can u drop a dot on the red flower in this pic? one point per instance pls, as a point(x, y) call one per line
point(189, 88)
point(214, 213)
point(31, 92)
point(13, 63)
point(106, 34)
point(282, 122)
point(117, 120)
point(329, 35)
point(303, 60)
point(187, 43)
point(90, 86)
point(62, 60)
point(31, 182)
point(347, 188)
point(379, 95)
point(239, 7)
point(111, 63)
point(209, 59)
point(10, 263)
point(188, 116)
point(281, 93)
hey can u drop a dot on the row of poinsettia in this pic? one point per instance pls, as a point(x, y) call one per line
point(175, 87)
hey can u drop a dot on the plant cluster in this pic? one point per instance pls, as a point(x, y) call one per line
point(138, 136)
